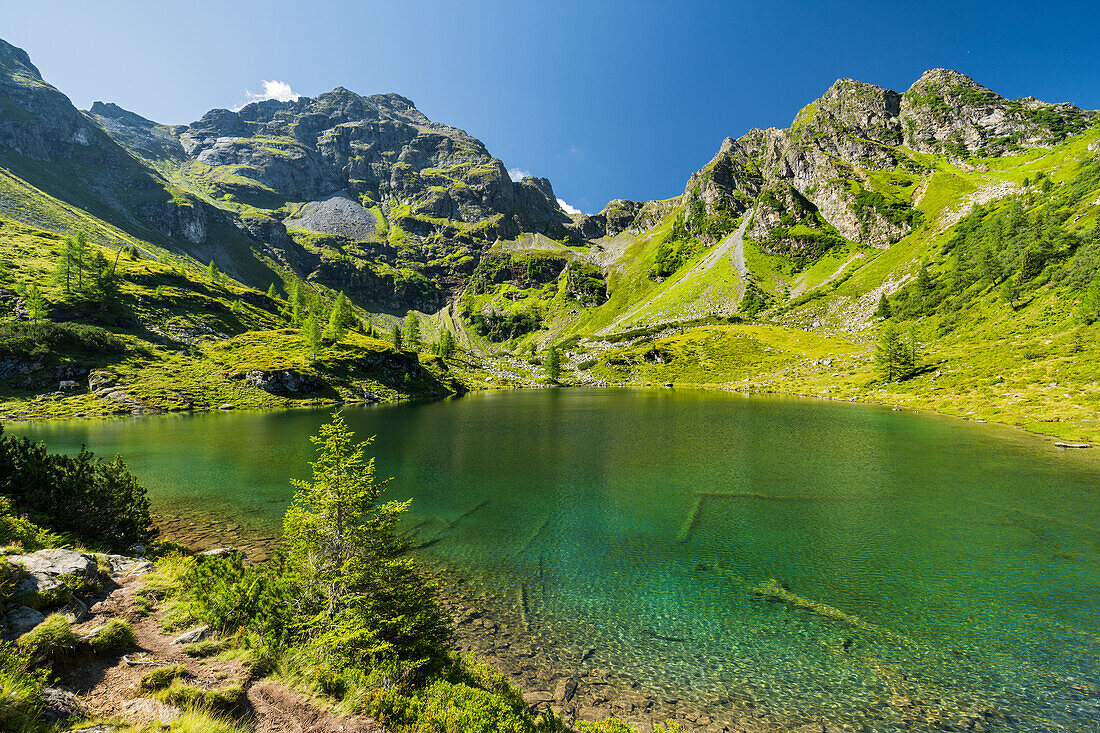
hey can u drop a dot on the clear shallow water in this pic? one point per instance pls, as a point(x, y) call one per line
point(965, 558)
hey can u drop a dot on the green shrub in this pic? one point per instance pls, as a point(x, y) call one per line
point(10, 575)
point(15, 530)
point(498, 327)
point(116, 636)
point(23, 339)
point(50, 641)
point(459, 708)
point(230, 596)
point(207, 648)
point(161, 678)
point(20, 690)
point(98, 502)
point(477, 673)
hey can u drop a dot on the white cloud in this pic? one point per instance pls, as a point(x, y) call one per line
point(567, 208)
point(518, 174)
point(279, 90)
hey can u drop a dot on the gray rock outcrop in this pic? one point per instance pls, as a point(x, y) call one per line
point(284, 382)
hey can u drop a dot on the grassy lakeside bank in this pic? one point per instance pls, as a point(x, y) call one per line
point(1041, 377)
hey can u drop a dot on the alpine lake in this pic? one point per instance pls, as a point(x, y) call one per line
point(769, 563)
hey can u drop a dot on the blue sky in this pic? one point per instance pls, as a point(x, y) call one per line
point(606, 99)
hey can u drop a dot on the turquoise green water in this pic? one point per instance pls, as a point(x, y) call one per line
point(965, 558)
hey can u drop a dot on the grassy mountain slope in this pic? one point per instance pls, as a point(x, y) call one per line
point(174, 340)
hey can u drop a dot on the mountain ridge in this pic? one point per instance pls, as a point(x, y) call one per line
point(808, 229)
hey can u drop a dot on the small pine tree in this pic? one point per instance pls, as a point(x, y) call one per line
point(344, 550)
point(925, 286)
point(271, 291)
point(894, 358)
point(103, 281)
point(883, 310)
point(76, 245)
point(212, 272)
point(36, 304)
point(552, 364)
point(338, 319)
point(412, 331)
point(293, 310)
point(396, 336)
point(1032, 263)
point(311, 334)
point(446, 345)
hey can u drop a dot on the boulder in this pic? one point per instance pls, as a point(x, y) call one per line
point(60, 706)
point(124, 567)
point(219, 552)
point(58, 562)
point(196, 634)
point(284, 382)
point(23, 619)
point(43, 583)
point(100, 380)
point(75, 611)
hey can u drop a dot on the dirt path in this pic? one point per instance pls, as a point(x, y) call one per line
point(109, 685)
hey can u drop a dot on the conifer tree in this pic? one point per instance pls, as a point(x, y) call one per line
point(446, 345)
point(311, 334)
point(894, 357)
point(396, 336)
point(338, 318)
point(212, 272)
point(271, 291)
point(412, 331)
point(883, 310)
point(77, 245)
point(35, 303)
point(552, 364)
point(1090, 303)
point(365, 600)
point(294, 304)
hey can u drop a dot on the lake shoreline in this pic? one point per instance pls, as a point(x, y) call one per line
point(918, 407)
point(569, 679)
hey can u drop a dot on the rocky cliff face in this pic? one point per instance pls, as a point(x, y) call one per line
point(37, 121)
point(817, 178)
point(46, 141)
point(379, 149)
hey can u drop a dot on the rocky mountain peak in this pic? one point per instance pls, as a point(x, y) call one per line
point(15, 60)
point(111, 111)
point(953, 86)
